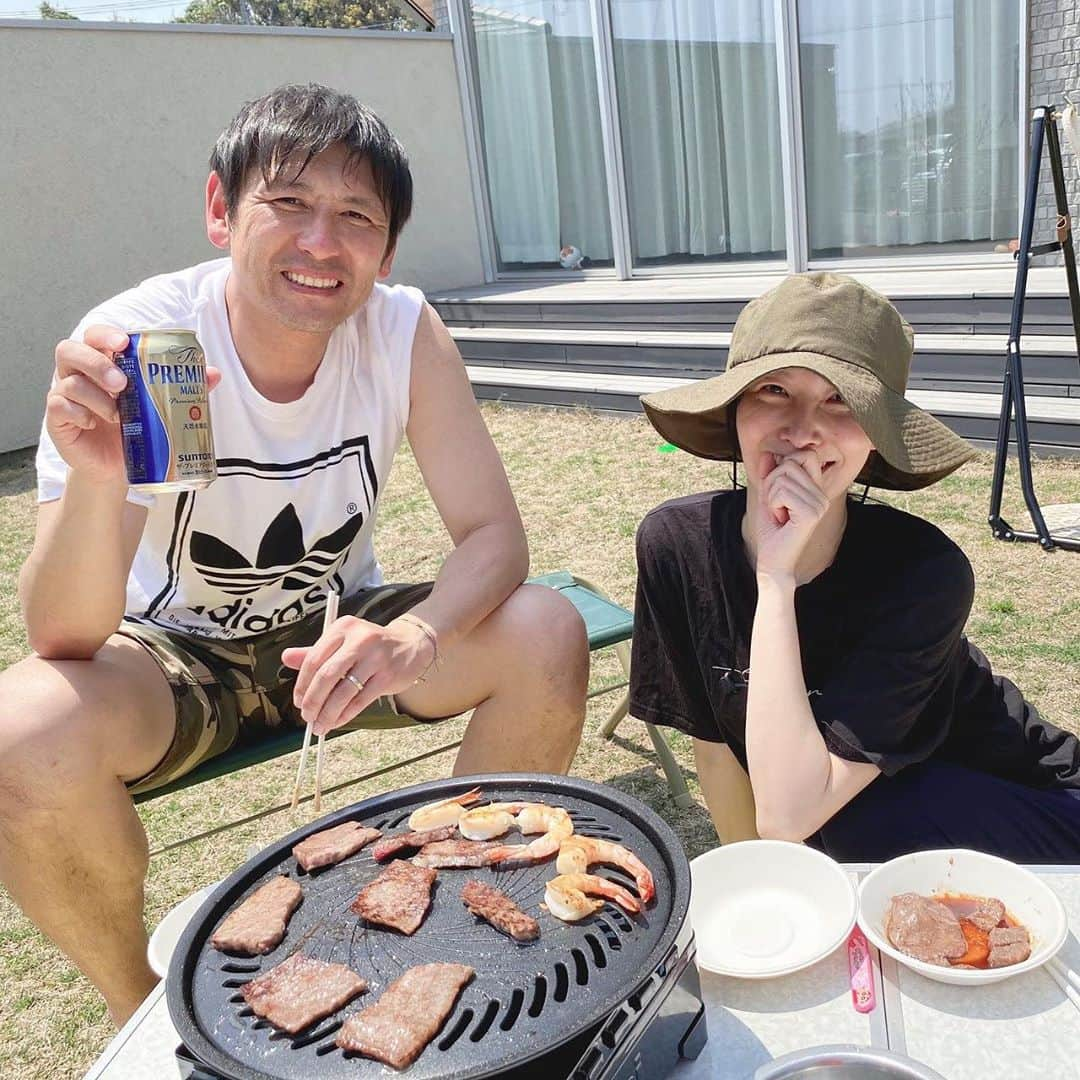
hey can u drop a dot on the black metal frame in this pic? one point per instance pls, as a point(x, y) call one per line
point(1012, 396)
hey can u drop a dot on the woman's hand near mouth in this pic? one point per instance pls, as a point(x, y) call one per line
point(791, 502)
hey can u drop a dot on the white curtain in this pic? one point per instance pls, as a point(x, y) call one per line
point(519, 134)
point(541, 127)
point(698, 104)
point(910, 121)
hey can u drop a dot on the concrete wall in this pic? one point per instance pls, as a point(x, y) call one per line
point(1055, 72)
point(106, 132)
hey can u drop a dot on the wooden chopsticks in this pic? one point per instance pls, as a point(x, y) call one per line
point(329, 615)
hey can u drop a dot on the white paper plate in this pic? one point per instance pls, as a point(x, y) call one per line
point(763, 908)
point(959, 870)
point(163, 940)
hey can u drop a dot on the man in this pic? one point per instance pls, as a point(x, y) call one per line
point(167, 627)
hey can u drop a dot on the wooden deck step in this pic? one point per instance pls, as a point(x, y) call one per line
point(1054, 421)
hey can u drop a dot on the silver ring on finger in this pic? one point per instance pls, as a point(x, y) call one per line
point(358, 683)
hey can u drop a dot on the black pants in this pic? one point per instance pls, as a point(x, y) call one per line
point(939, 805)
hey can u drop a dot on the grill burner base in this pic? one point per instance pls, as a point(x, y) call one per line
point(643, 1039)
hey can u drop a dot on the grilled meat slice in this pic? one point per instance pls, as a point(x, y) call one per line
point(332, 845)
point(258, 924)
point(408, 1016)
point(300, 990)
point(399, 897)
point(499, 910)
point(459, 853)
point(389, 846)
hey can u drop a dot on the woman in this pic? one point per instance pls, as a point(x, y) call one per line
point(812, 645)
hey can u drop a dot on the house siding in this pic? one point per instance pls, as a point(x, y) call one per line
point(107, 133)
point(1054, 71)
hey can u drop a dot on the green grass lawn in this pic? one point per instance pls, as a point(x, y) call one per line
point(583, 482)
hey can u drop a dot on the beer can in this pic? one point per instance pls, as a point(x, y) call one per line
point(165, 412)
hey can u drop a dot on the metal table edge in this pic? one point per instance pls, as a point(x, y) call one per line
point(126, 1033)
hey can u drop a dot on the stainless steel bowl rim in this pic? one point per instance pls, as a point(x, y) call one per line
point(845, 1054)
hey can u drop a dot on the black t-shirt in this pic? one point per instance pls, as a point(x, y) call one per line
point(890, 676)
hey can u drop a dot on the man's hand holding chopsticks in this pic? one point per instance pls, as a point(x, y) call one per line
point(356, 661)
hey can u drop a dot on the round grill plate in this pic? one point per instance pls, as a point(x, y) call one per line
point(525, 998)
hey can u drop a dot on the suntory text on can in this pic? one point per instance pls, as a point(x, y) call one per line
point(165, 412)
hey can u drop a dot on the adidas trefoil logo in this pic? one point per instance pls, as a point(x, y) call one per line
point(281, 559)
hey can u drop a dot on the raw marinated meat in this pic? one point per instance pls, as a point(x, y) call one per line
point(925, 929)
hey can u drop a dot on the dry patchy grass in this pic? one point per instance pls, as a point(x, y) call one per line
point(583, 482)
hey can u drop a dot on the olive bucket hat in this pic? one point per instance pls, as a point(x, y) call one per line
point(848, 334)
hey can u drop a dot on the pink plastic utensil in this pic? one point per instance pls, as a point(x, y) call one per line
point(861, 969)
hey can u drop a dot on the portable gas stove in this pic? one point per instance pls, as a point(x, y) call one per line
point(612, 997)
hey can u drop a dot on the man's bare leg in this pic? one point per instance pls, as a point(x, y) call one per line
point(525, 669)
point(73, 853)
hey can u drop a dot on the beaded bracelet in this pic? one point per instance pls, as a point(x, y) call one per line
point(430, 635)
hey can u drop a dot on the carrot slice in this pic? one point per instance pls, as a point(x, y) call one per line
point(978, 945)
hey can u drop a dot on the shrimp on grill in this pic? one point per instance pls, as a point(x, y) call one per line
point(579, 852)
point(488, 822)
point(436, 815)
point(570, 896)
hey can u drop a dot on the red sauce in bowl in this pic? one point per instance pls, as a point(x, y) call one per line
point(978, 941)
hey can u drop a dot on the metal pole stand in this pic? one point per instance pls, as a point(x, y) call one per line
point(1067, 519)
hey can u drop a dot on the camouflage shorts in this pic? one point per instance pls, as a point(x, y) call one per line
point(235, 691)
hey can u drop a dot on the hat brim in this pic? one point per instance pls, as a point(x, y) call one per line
point(912, 449)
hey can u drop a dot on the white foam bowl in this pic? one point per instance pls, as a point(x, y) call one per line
point(164, 938)
point(764, 908)
point(1027, 899)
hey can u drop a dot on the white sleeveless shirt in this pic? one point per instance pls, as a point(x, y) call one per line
point(293, 507)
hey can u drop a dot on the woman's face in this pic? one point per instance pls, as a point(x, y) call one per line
point(795, 409)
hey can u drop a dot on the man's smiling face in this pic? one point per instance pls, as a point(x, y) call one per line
point(308, 249)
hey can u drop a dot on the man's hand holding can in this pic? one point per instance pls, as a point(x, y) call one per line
point(101, 418)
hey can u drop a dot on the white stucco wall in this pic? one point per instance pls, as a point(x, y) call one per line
point(105, 136)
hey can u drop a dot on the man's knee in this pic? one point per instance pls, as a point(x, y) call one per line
point(45, 743)
point(550, 631)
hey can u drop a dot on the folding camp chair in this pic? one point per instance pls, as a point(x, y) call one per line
point(607, 624)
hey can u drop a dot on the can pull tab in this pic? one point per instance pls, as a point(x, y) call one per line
point(861, 970)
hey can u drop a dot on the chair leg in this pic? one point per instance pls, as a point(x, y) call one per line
point(676, 781)
point(607, 728)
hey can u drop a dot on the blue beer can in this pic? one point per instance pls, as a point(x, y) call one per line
point(165, 412)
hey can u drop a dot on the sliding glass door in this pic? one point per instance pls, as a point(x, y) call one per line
point(540, 127)
point(698, 105)
point(910, 125)
point(659, 136)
